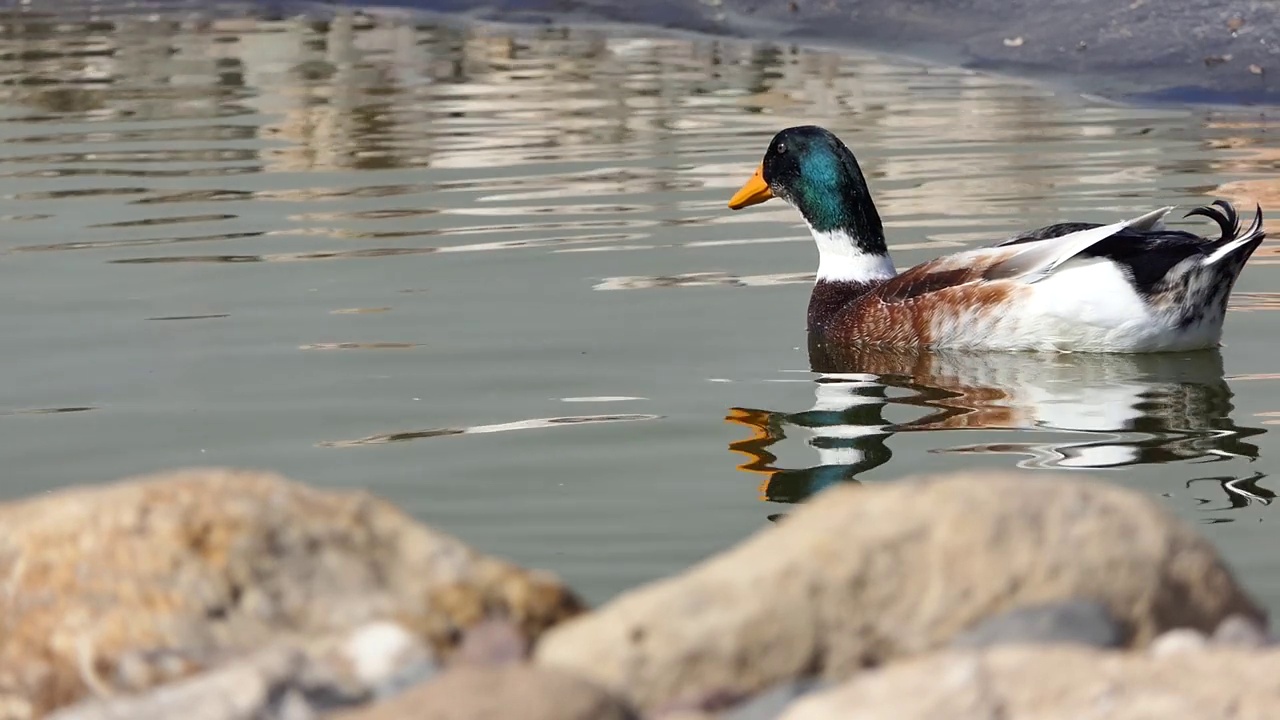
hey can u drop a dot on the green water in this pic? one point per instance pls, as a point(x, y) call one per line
point(489, 274)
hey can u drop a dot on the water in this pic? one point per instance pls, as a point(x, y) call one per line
point(489, 273)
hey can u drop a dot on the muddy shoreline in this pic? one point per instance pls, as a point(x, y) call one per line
point(1144, 51)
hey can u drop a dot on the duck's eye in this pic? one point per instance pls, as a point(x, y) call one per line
point(781, 148)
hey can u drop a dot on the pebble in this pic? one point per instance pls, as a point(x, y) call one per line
point(385, 658)
point(770, 704)
point(1178, 640)
point(1241, 632)
point(1081, 622)
point(492, 642)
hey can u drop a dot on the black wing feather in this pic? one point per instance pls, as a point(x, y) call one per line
point(1147, 256)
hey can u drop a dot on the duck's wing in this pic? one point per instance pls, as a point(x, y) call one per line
point(1033, 262)
point(1140, 247)
point(1146, 251)
point(1024, 262)
point(1150, 222)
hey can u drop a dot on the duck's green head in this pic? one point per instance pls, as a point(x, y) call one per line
point(809, 168)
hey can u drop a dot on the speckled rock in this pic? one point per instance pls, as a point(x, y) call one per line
point(507, 692)
point(291, 680)
point(116, 588)
point(1057, 683)
point(866, 574)
point(260, 685)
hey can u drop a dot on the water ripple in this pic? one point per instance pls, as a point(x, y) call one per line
point(360, 346)
point(143, 242)
point(146, 222)
point(162, 134)
point(136, 156)
point(209, 316)
point(49, 410)
point(531, 424)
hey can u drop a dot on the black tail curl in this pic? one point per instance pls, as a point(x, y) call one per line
point(1224, 214)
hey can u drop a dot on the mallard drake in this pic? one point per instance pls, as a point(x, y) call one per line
point(1132, 286)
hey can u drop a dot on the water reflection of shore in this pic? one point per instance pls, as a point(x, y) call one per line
point(1118, 411)
point(537, 134)
point(355, 92)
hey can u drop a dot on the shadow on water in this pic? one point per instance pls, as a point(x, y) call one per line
point(1116, 411)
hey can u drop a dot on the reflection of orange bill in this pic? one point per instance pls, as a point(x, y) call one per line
point(755, 191)
point(754, 447)
point(757, 420)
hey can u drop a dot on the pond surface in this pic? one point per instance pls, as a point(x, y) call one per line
point(489, 273)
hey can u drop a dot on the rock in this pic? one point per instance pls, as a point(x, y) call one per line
point(251, 689)
point(1086, 622)
point(1059, 682)
point(289, 681)
point(866, 574)
point(514, 692)
point(1178, 641)
point(115, 588)
point(1239, 631)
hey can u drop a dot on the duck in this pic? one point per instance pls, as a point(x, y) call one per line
point(1133, 286)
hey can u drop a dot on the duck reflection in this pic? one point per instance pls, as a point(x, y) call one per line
point(1131, 410)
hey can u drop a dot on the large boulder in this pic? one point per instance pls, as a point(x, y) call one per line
point(1058, 683)
point(116, 588)
point(866, 574)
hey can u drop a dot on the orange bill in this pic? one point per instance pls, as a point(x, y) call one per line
point(753, 192)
